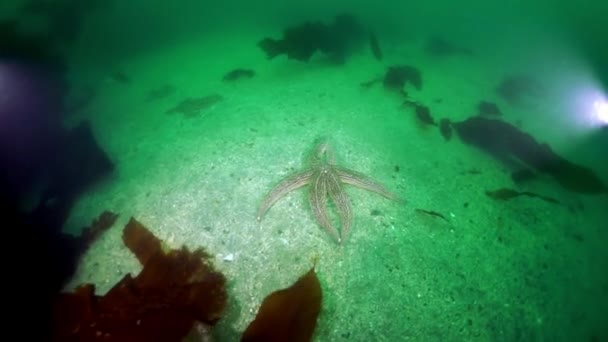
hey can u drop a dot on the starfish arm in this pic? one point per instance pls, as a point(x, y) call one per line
point(322, 154)
point(317, 198)
point(362, 181)
point(292, 183)
point(342, 203)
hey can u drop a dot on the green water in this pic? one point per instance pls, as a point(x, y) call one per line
point(488, 270)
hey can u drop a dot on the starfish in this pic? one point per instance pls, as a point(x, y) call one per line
point(325, 179)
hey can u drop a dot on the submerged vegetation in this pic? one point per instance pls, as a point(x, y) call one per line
point(179, 294)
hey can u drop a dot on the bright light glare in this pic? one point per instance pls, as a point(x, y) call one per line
point(600, 107)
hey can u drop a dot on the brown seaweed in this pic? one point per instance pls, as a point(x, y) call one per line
point(174, 290)
point(398, 76)
point(520, 89)
point(515, 148)
point(289, 314)
point(90, 234)
point(423, 113)
point(445, 128)
point(505, 194)
point(336, 40)
point(486, 108)
point(140, 241)
point(374, 45)
point(522, 175)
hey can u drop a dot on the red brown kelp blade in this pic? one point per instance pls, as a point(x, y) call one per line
point(140, 241)
point(289, 314)
point(172, 292)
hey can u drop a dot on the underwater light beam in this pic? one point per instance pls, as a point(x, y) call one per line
point(590, 103)
point(600, 109)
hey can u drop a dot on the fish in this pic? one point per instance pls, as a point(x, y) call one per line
point(160, 92)
point(441, 47)
point(237, 74)
point(191, 107)
point(120, 77)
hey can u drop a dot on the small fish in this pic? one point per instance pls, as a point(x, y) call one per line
point(368, 84)
point(160, 92)
point(237, 74)
point(432, 213)
point(441, 47)
point(192, 107)
point(120, 77)
point(472, 172)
